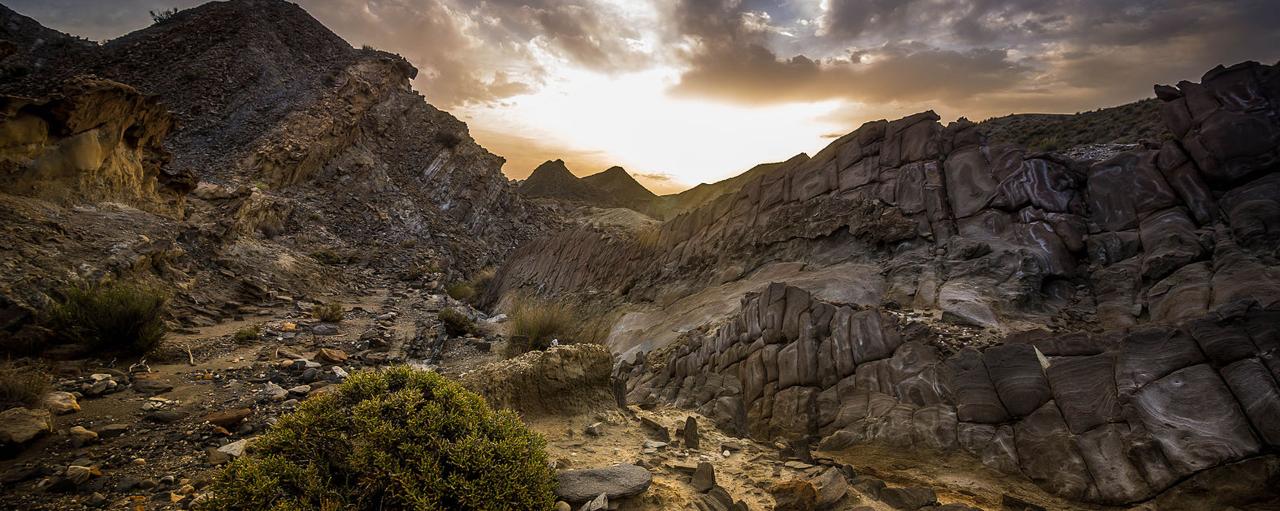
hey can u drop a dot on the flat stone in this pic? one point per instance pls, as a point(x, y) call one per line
point(617, 482)
point(908, 498)
point(332, 356)
point(325, 329)
point(21, 425)
point(151, 387)
point(112, 430)
point(166, 416)
point(228, 418)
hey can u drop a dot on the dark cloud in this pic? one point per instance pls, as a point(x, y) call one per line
point(978, 56)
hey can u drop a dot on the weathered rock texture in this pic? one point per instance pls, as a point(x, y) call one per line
point(1095, 418)
point(561, 380)
point(93, 140)
point(1140, 291)
point(310, 153)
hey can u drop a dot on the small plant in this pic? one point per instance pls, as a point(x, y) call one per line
point(114, 317)
point(158, 17)
point(21, 385)
point(481, 280)
point(461, 291)
point(400, 438)
point(329, 257)
point(331, 312)
point(248, 334)
point(456, 323)
point(535, 323)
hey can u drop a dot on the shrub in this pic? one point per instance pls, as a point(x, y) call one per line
point(397, 439)
point(534, 323)
point(248, 334)
point(456, 323)
point(481, 280)
point(112, 317)
point(21, 385)
point(331, 312)
point(461, 291)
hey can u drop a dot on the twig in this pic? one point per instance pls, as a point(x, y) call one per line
point(191, 359)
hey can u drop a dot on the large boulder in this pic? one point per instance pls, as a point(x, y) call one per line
point(615, 482)
point(18, 426)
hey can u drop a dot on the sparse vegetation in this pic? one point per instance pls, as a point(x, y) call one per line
point(331, 257)
point(247, 334)
point(456, 323)
point(536, 322)
point(21, 385)
point(461, 291)
point(115, 317)
point(158, 17)
point(396, 439)
point(470, 291)
point(331, 312)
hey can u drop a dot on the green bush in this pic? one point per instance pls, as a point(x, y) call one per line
point(21, 385)
point(331, 312)
point(456, 323)
point(248, 334)
point(461, 291)
point(396, 439)
point(112, 317)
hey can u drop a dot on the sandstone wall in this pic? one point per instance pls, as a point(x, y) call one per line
point(93, 140)
point(1112, 418)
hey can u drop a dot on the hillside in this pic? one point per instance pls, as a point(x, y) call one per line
point(291, 132)
point(1124, 124)
point(624, 189)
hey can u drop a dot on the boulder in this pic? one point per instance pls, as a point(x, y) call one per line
point(61, 403)
point(794, 495)
point(831, 486)
point(616, 482)
point(19, 426)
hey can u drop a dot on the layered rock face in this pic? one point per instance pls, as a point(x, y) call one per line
point(93, 140)
point(1136, 293)
point(1112, 418)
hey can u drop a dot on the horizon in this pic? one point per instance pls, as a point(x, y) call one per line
point(696, 92)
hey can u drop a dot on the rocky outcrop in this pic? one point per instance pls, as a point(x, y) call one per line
point(1139, 290)
point(1111, 419)
point(561, 380)
point(93, 140)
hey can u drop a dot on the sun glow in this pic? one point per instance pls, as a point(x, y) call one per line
point(630, 120)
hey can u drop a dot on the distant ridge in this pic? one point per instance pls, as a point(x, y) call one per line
point(553, 180)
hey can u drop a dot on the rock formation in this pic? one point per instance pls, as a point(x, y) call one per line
point(1135, 296)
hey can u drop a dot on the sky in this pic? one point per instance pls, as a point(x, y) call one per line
point(687, 91)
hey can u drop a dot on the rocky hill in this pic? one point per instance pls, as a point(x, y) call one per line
point(622, 188)
point(306, 150)
point(554, 180)
point(1097, 325)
